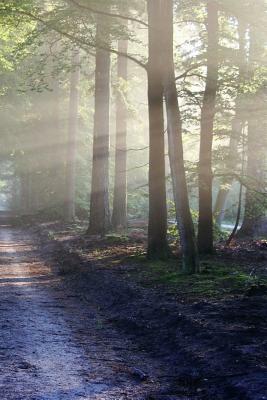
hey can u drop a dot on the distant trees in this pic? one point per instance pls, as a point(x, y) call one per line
point(255, 197)
point(204, 95)
point(237, 126)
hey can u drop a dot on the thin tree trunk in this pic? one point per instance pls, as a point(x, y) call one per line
point(72, 137)
point(99, 205)
point(254, 200)
point(27, 192)
point(24, 192)
point(205, 223)
point(180, 192)
point(119, 216)
point(61, 149)
point(232, 161)
point(240, 196)
point(157, 225)
point(237, 124)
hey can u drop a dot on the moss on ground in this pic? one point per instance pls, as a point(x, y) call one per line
point(215, 278)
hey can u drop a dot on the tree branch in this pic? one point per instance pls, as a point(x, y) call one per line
point(108, 14)
point(83, 44)
point(184, 74)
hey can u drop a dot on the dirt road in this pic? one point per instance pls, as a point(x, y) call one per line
point(52, 345)
point(97, 334)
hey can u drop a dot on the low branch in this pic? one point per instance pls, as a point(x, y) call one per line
point(140, 149)
point(108, 14)
point(138, 167)
point(184, 74)
point(133, 149)
point(242, 181)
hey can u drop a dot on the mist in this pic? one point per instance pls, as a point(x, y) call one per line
point(133, 136)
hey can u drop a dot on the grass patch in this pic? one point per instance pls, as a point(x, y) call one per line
point(215, 278)
point(116, 238)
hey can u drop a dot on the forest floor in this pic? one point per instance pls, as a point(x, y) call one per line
point(92, 319)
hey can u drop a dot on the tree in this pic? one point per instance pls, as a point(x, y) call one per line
point(237, 126)
point(180, 192)
point(99, 223)
point(205, 223)
point(157, 225)
point(72, 137)
point(119, 216)
point(255, 202)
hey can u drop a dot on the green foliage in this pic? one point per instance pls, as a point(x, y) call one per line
point(138, 204)
point(116, 238)
point(214, 280)
point(173, 233)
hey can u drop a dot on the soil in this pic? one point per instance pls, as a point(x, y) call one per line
point(53, 345)
point(94, 332)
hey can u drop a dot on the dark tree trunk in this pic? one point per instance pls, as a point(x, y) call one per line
point(205, 223)
point(157, 225)
point(119, 216)
point(72, 137)
point(237, 126)
point(99, 203)
point(180, 192)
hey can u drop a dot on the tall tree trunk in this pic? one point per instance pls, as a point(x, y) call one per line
point(99, 203)
point(157, 225)
point(205, 223)
point(61, 149)
point(119, 216)
point(72, 137)
point(240, 196)
point(180, 192)
point(237, 126)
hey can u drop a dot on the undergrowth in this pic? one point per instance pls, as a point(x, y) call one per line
point(215, 278)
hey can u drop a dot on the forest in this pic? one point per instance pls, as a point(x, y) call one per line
point(133, 199)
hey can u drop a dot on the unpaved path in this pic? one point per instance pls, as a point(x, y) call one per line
point(52, 345)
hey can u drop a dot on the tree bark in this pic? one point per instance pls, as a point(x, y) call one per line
point(157, 224)
point(205, 223)
point(175, 147)
point(72, 137)
point(99, 203)
point(119, 216)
